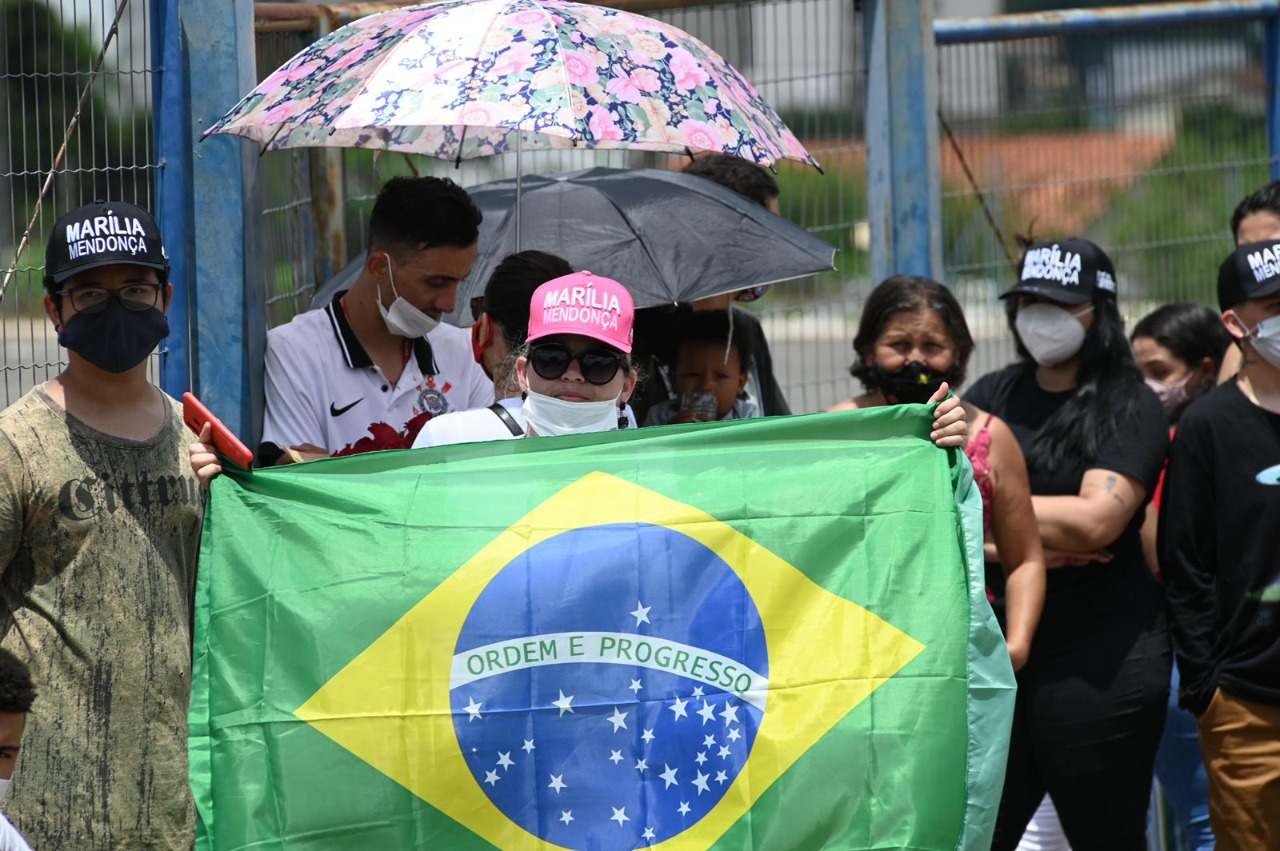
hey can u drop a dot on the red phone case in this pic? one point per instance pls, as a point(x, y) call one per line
point(195, 415)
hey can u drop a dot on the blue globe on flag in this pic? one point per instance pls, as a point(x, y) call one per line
point(608, 684)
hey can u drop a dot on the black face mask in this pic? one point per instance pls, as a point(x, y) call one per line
point(115, 339)
point(912, 384)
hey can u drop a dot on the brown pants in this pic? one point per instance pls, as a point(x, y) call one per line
point(1240, 741)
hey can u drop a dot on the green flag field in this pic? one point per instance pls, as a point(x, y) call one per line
point(763, 634)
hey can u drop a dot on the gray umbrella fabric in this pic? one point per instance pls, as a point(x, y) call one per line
point(667, 236)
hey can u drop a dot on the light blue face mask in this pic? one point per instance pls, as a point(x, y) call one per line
point(1265, 339)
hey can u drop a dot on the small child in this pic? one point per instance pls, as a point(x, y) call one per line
point(711, 367)
point(16, 697)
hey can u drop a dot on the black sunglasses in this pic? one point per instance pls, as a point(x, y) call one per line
point(551, 360)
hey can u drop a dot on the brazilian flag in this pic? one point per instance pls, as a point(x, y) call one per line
point(768, 634)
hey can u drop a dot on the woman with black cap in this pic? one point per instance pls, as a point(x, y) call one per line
point(1091, 699)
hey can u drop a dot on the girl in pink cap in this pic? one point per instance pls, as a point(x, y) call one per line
point(576, 371)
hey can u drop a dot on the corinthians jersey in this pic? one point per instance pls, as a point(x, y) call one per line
point(322, 387)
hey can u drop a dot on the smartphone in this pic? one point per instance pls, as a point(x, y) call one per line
point(195, 415)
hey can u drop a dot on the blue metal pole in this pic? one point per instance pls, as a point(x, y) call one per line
point(1099, 20)
point(1271, 56)
point(904, 183)
point(229, 278)
point(171, 93)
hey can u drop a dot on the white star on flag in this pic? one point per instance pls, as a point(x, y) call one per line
point(684, 808)
point(678, 707)
point(648, 833)
point(641, 613)
point(557, 783)
point(697, 691)
point(734, 735)
point(730, 714)
point(642, 765)
point(566, 816)
point(563, 703)
point(505, 760)
point(668, 776)
point(619, 815)
point(700, 758)
point(635, 686)
point(724, 752)
point(700, 782)
point(647, 735)
point(491, 777)
point(709, 742)
point(708, 712)
point(721, 777)
point(618, 720)
point(615, 757)
point(473, 710)
point(527, 747)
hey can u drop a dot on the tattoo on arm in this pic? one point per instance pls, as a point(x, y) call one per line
point(1110, 487)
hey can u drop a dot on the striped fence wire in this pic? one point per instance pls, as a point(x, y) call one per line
point(47, 48)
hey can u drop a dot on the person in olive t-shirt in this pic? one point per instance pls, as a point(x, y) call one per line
point(1219, 545)
point(99, 526)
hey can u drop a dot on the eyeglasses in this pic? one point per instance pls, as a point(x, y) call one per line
point(135, 297)
point(551, 361)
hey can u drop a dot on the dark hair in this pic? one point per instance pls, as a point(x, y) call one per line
point(712, 327)
point(16, 691)
point(510, 289)
point(909, 294)
point(423, 212)
point(1264, 199)
point(1192, 332)
point(1106, 395)
point(745, 178)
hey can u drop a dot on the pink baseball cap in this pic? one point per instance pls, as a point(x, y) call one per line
point(584, 304)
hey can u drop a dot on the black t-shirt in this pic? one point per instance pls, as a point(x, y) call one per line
point(1120, 596)
point(1220, 548)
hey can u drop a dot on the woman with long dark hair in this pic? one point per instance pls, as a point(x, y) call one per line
point(1180, 348)
point(911, 339)
point(1091, 699)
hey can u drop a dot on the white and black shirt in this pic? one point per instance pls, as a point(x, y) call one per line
point(322, 387)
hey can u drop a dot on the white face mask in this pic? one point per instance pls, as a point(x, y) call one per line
point(1051, 334)
point(4, 788)
point(1265, 339)
point(402, 318)
point(550, 416)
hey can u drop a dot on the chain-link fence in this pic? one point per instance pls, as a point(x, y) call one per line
point(47, 49)
point(1142, 140)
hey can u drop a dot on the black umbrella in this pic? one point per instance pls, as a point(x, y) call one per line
point(668, 236)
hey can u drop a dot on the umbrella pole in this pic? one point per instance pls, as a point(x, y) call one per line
point(519, 180)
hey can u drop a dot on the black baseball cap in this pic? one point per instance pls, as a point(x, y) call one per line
point(103, 233)
point(1251, 271)
point(1065, 270)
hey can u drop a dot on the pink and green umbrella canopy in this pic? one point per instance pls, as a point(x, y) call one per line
point(457, 80)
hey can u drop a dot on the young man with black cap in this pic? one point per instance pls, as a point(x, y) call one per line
point(1220, 553)
point(378, 353)
point(99, 526)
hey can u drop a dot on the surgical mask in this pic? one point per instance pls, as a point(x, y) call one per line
point(1265, 340)
point(114, 339)
point(550, 416)
point(1172, 394)
point(4, 788)
point(1051, 334)
point(913, 383)
point(402, 318)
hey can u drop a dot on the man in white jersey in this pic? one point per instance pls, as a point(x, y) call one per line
point(378, 353)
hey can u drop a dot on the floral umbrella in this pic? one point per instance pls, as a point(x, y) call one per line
point(464, 79)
